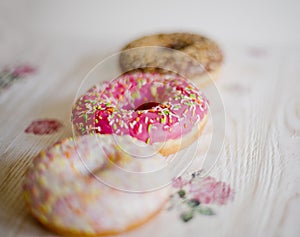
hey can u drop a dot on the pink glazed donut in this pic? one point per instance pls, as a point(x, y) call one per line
point(166, 111)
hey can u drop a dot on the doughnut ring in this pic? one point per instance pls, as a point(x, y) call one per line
point(164, 110)
point(63, 193)
point(204, 65)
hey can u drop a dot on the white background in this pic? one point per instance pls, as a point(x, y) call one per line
point(259, 85)
point(248, 21)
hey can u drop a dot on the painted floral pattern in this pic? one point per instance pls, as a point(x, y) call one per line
point(8, 75)
point(44, 126)
point(195, 195)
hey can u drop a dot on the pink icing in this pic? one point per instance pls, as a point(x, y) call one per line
point(122, 107)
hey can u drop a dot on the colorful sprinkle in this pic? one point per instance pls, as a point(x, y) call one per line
point(149, 101)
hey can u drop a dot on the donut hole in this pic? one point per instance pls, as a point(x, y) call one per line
point(147, 105)
point(147, 97)
point(179, 45)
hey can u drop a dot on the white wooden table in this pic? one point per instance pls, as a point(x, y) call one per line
point(259, 84)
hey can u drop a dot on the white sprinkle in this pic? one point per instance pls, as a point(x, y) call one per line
point(132, 124)
point(166, 127)
point(140, 128)
point(111, 122)
point(198, 118)
point(193, 110)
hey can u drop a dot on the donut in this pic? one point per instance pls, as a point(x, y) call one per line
point(202, 65)
point(163, 110)
point(63, 192)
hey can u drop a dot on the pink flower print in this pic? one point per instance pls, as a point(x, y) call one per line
point(210, 191)
point(43, 127)
point(9, 74)
point(23, 70)
point(179, 183)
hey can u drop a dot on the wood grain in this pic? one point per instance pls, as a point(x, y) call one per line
point(260, 157)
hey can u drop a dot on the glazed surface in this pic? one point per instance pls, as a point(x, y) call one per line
point(121, 107)
point(63, 190)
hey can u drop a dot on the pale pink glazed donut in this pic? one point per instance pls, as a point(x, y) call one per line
point(63, 193)
point(166, 111)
